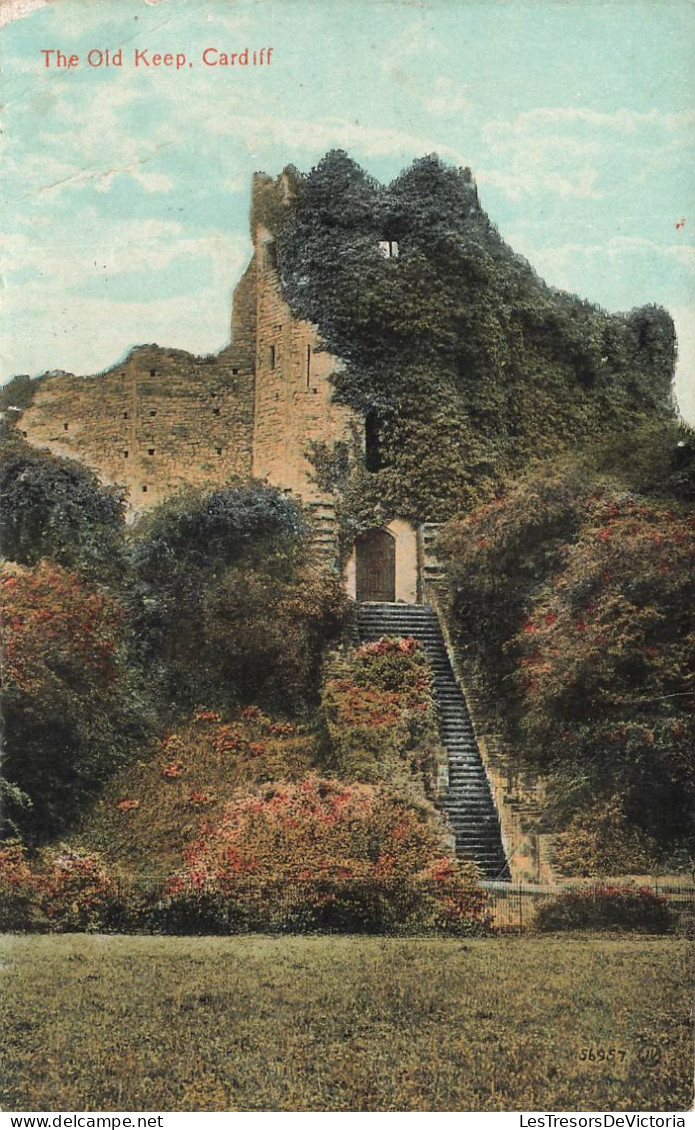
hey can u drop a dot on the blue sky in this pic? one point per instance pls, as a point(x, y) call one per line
point(127, 189)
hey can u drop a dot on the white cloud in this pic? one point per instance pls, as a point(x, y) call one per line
point(87, 331)
point(449, 98)
point(567, 151)
point(532, 177)
point(621, 121)
point(559, 263)
point(299, 135)
point(415, 38)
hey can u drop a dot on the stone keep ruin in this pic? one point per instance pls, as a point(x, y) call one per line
point(391, 360)
point(389, 356)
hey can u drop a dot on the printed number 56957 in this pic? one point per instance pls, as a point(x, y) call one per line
point(602, 1055)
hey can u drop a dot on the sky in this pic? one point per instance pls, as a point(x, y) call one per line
point(126, 188)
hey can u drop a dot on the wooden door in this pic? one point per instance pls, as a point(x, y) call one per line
point(376, 566)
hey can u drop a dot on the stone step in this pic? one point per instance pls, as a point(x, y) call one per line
point(468, 804)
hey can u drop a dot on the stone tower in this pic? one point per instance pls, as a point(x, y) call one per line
point(293, 397)
point(294, 406)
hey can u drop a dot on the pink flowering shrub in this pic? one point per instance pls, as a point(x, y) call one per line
point(58, 890)
point(19, 907)
point(322, 854)
point(378, 704)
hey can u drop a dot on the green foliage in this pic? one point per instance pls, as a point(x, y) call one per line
point(607, 908)
point(600, 841)
point(471, 366)
point(58, 509)
point(575, 601)
point(227, 608)
point(378, 705)
point(71, 711)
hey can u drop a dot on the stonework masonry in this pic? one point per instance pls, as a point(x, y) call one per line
point(294, 405)
point(164, 418)
point(160, 420)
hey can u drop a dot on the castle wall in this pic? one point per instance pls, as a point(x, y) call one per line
point(160, 420)
point(293, 404)
point(163, 418)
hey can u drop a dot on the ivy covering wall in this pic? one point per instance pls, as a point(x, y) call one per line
point(465, 363)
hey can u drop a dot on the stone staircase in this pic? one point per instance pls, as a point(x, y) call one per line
point(468, 802)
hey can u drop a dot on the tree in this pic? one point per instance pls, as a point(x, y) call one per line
point(606, 663)
point(71, 713)
point(227, 607)
point(575, 598)
point(55, 508)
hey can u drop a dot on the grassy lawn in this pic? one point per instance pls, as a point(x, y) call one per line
point(330, 1024)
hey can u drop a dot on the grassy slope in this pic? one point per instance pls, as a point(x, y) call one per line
point(148, 839)
point(328, 1024)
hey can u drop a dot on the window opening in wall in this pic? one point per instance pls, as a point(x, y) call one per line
point(372, 441)
point(213, 395)
point(150, 451)
point(144, 489)
point(125, 454)
point(218, 450)
point(388, 248)
point(125, 415)
point(235, 371)
point(215, 411)
point(271, 358)
point(153, 372)
point(65, 427)
point(153, 412)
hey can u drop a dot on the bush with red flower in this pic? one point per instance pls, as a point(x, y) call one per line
point(607, 907)
point(56, 890)
point(379, 707)
point(606, 665)
point(149, 812)
point(322, 854)
point(574, 600)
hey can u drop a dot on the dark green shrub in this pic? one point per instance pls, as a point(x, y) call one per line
point(72, 710)
point(228, 609)
point(58, 509)
point(607, 908)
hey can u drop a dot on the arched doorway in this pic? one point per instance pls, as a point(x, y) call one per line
point(376, 566)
